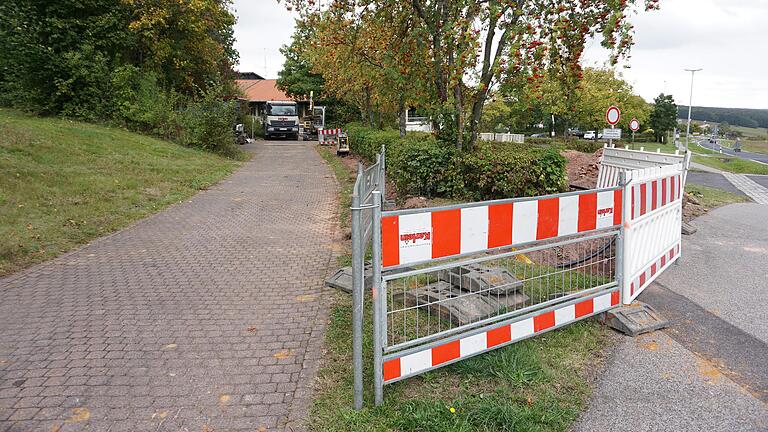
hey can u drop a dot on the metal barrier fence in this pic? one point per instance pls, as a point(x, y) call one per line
point(367, 191)
point(453, 282)
point(327, 136)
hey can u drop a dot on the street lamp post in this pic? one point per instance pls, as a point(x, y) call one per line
point(690, 102)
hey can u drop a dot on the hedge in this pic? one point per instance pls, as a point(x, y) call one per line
point(420, 165)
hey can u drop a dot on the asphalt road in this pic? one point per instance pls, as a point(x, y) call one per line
point(707, 371)
point(759, 157)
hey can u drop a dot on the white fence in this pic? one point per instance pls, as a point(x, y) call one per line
point(503, 137)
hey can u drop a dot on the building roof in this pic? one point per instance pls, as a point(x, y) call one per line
point(262, 90)
point(249, 76)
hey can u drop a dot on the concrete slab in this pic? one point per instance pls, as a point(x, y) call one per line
point(762, 180)
point(652, 383)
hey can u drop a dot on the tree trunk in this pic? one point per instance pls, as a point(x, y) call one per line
point(459, 107)
point(401, 115)
point(368, 108)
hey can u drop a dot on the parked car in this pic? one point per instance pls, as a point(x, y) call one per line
point(539, 135)
point(589, 135)
point(576, 132)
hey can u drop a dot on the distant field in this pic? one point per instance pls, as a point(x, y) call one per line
point(64, 183)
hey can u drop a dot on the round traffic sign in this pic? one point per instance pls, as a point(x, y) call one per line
point(613, 115)
point(634, 125)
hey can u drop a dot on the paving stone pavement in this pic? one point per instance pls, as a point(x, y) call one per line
point(758, 193)
point(208, 316)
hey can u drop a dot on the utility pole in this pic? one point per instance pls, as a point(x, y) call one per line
point(690, 102)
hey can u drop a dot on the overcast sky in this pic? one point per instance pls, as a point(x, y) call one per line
point(726, 38)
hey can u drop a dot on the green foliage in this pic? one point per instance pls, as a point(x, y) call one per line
point(664, 115)
point(421, 165)
point(505, 171)
point(206, 123)
point(135, 63)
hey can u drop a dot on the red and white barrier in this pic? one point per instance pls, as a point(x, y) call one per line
point(324, 134)
point(648, 275)
point(647, 197)
point(409, 238)
point(417, 361)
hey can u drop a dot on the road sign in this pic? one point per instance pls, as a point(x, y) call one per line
point(612, 133)
point(634, 125)
point(613, 115)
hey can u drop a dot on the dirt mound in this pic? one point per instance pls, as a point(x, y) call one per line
point(582, 168)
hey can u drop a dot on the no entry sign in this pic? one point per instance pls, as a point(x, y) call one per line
point(613, 115)
point(634, 125)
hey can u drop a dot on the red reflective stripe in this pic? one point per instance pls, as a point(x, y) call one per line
point(549, 217)
point(642, 279)
point(390, 245)
point(446, 352)
point(499, 225)
point(654, 194)
point(498, 336)
point(614, 298)
point(544, 321)
point(392, 369)
point(663, 191)
point(446, 233)
point(643, 197)
point(663, 260)
point(587, 212)
point(653, 269)
point(617, 206)
point(584, 308)
point(632, 288)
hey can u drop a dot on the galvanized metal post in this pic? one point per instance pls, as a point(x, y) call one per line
point(379, 306)
point(357, 292)
point(621, 241)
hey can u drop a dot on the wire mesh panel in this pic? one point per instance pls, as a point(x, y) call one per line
point(437, 301)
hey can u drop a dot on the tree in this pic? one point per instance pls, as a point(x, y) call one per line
point(296, 78)
point(472, 46)
point(663, 116)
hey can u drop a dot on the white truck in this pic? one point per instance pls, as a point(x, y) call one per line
point(281, 118)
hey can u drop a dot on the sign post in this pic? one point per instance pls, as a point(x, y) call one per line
point(634, 126)
point(612, 116)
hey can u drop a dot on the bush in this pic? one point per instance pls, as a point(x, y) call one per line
point(495, 172)
point(207, 124)
point(420, 165)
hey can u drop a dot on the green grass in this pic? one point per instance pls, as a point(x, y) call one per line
point(732, 164)
point(64, 183)
point(540, 384)
point(711, 197)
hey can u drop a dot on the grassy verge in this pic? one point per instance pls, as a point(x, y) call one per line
point(711, 197)
point(538, 384)
point(64, 183)
point(732, 164)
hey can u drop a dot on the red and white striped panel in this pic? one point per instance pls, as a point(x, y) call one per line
point(649, 196)
point(463, 347)
point(321, 135)
point(648, 275)
point(431, 234)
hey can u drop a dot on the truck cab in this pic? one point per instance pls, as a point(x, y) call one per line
point(281, 118)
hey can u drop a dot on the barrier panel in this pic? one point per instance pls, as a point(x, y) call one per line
point(503, 137)
point(653, 219)
point(616, 160)
point(327, 136)
point(453, 282)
